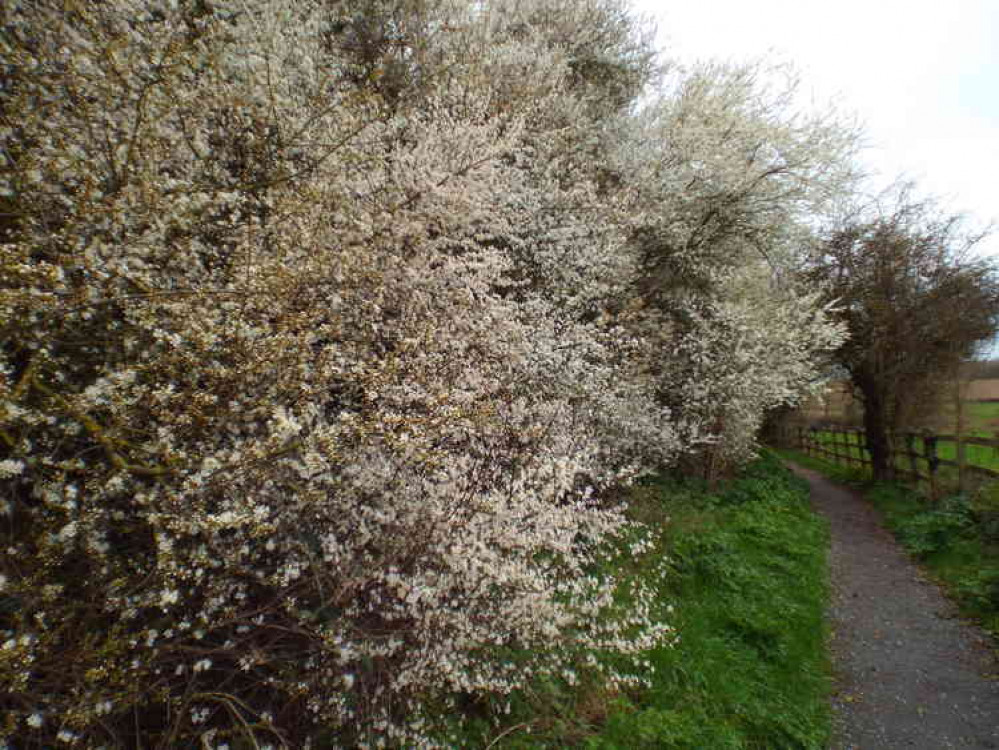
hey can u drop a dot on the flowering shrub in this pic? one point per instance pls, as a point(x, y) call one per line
point(730, 180)
point(323, 333)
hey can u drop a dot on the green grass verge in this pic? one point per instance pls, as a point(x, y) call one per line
point(852, 475)
point(746, 573)
point(956, 538)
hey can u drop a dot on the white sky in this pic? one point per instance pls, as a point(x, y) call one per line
point(921, 75)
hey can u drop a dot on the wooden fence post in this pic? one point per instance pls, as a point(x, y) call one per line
point(962, 481)
point(930, 447)
point(910, 448)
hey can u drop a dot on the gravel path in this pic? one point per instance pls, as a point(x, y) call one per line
point(909, 673)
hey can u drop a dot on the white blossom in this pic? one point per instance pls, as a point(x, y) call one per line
point(349, 344)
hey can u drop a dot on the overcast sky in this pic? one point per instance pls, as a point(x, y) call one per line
point(921, 75)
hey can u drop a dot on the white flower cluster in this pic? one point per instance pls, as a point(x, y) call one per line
point(734, 179)
point(327, 324)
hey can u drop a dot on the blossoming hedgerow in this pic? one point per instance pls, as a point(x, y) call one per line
point(326, 326)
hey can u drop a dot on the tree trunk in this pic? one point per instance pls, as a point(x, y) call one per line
point(877, 432)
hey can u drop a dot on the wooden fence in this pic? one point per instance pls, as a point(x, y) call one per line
point(916, 456)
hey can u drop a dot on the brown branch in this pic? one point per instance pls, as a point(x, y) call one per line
point(98, 434)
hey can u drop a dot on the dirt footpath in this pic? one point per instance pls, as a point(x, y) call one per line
point(909, 673)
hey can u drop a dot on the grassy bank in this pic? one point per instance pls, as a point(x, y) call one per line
point(955, 538)
point(744, 570)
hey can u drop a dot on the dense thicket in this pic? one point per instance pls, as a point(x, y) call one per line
point(325, 325)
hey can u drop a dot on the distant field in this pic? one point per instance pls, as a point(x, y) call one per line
point(981, 408)
point(982, 417)
point(982, 390)
point(979, 419)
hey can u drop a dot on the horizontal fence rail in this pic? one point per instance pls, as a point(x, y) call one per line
point(918, 457)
